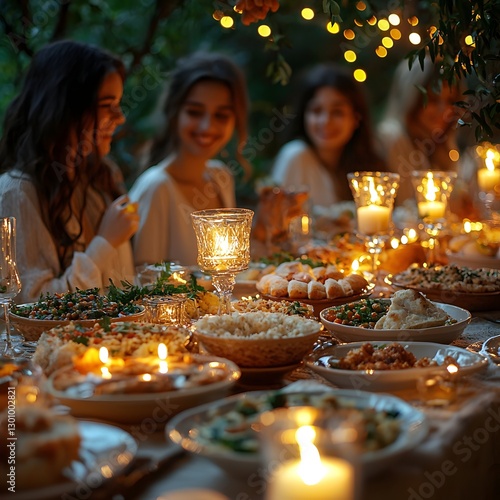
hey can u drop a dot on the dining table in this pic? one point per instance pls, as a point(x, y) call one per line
point(459, 458)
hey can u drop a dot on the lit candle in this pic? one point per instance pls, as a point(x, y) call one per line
point(489, 176)
point(373, 219)
point(312, 477)
point(162, 355)
point(430, 208)
point(104, 357)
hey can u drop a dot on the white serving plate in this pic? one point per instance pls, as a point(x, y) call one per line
point(159, 406)
point(388, 380)
point(105, 451)
point(183, 430)
point(442, 334)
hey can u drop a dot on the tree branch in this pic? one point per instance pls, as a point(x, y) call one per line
point(62, 22)
point(163, 9)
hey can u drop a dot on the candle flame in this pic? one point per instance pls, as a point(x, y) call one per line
point(452, 369)
point(310, 469)
point(162, 354)
point(103, 355)
point(222, 246)
point(162, 351)
point(430, 195)
point(305, 224)
point(374, 197)
point(489, 160)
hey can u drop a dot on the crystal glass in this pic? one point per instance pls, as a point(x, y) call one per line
point(10, 284)
point(310, 453)
point(374, 194)
point(223, 240)
point(433, 190)
point(488, 176)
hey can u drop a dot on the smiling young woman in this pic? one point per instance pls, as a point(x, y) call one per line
point(73, 230)
point(206, 105)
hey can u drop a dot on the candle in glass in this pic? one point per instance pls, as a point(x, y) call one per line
point(223, 241)
point(489, 176)
point(313, 478)
point(430, 207)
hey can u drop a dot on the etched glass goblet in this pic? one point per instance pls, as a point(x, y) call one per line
point(223, 241)
point(10, 284)
point(374, 194)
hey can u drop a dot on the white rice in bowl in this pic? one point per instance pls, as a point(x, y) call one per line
point(258, 339)
point(256, 325)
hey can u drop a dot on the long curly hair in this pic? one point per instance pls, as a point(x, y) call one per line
point(189, 71)
point(46, 132)
point(359, 153)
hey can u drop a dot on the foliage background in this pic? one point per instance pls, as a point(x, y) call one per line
point(150, 35)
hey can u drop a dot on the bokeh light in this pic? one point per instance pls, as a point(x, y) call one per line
point(383, 25)
point(359, 75)
point(307, 13)
point(227, 22)
point(414, 38)
point(381, 51)
point(350, 56)
point(264, 30)
point(387, 42)
point(335, 28)
point(395, 33)
point(394, 19)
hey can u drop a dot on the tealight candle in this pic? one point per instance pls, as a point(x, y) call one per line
point(487, 178)
point(431, 209)
point(312, 477)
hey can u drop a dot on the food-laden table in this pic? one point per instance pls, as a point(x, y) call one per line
point(459, 458)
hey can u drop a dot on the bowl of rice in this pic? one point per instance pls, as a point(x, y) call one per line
point(258, 339)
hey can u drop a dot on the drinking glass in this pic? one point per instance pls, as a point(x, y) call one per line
point(488, 177)
point(223, 241)
point(433, 190)
point(374, 194)
point(10, 284)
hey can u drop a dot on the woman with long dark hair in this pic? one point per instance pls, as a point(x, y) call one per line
point(205, 106)
point(73, 231)
point(330, 136)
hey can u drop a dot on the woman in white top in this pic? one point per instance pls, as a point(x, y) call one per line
point(206, 103)
point(331, 136)
point(70, 232)
point(420, 130)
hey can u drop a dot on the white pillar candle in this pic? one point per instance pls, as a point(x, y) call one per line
point(373, 219)
point(488, 178)
point(431, 209)
point(336, 483)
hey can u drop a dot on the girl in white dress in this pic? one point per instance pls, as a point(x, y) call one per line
point(73, 228)
point(205, 105)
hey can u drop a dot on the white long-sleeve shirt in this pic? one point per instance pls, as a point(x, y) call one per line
point(165, 230)
point(37, 256)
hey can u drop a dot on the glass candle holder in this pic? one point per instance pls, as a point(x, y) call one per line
point(488, 176)
point(169, 310)
point(304, 450)
point(374, 194)
point(433, 190)
point(223, 241)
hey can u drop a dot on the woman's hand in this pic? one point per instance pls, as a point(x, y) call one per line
point(120, 221)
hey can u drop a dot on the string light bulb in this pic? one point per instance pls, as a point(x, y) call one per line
point(333, 28)
point(307, 13)
point(227, 22)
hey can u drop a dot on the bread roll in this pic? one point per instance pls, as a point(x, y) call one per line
point(319, 273)
point(297, 289)
point(278, 286)
point(346, 287)
point(333, 272)
point(263, 284)
point(316, 290)
point(288, 269)
point(333, 289)
point(357, 282)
